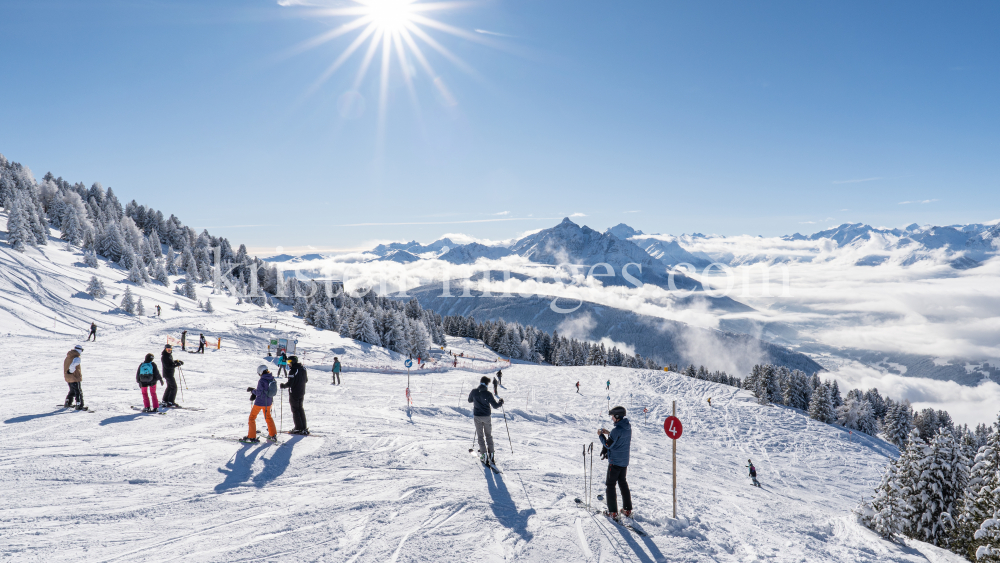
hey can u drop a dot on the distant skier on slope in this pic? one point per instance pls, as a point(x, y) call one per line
point(146, 376)
point(336, 371)
point(753, 473)
point(93, 332)
point(201, 343)
point(184, 335)
point(577, 386)
point(709, 401)
point(482, 400)
point(262, 397)
point(157, 310)
point(282, 364)
point(296, 386)
point(169, 364)
point(609, 385)
point(500, 377)
point(73, 374)
point(495, 382)
point(618, 443)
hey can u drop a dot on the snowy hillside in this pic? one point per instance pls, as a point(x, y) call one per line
point(381, 480)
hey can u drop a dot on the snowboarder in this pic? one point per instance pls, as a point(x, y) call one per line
point(146, 376)
point(282, 364)
point(184, 335)
point(609, 385)
point(336, 370)
point(500, 377)
point(482, 400)
point(618, 442)
point(262, 397)
point(73, 374)
point(93, 332)
point(296, 386)
point(577, 386)
point(753, 473)
point(201, 343)
point(169, 363)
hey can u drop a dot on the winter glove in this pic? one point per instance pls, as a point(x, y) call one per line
point(284, 386)
point(501, 402)
point(604, 452)
point(250, 389)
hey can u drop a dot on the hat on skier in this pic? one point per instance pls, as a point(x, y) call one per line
point(78, 348)
point(293, 359)
point(262, 369)
point(484, 379)
point(617, 412)
point(168, 347)
point(149, 357)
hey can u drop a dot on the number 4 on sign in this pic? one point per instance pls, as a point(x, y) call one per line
point(673, 427)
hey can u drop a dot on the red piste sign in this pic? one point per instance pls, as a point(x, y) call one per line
point(673, 427)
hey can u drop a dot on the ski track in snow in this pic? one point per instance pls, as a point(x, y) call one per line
point(386, 481)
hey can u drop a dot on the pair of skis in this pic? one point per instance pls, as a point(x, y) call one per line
point(588, 481)
point(491, 465)
point(84, 409)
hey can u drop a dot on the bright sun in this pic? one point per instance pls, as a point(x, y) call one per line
point(393, 29)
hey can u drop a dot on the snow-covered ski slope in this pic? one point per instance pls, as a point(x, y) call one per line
point(384, 481)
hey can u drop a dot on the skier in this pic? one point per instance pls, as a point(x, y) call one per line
point(169, 363)
point(93, 332)
point(336, 370)
point(482, 400)
point(296, 386)
point(455, 363)
point(495, 392)
point(709, 401)
point(157, 310)
point(618, 442)
point(201, 343)
point(753, 473)
point(262, 398)
point(184, 335)
point(577, 386)
point(73, 374)
point(282, 363)
point(146, 376)
point(500, 377)
point(609, 385)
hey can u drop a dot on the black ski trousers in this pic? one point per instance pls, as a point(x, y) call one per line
point(298, 413)
point(75, 392)
point(170, 394)
point(616, 475)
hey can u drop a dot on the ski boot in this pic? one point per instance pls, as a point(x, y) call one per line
point(272, 438)
point(247, 440)
point(68, 403)
point(626, 513)
point(613, 515)
point(483, 459)
point(80, 407)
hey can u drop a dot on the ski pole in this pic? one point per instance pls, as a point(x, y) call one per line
point(281, 405)
point(591, 483)
point(508, 429)
point(585, 472)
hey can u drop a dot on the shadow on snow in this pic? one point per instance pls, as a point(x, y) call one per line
point(504, 508)
point(239, 468)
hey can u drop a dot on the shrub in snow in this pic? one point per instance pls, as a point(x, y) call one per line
point(177, 306)
point(128, 302)
point(95, 288)
point(208, 306)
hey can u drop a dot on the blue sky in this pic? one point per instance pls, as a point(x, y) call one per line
point(716, 117)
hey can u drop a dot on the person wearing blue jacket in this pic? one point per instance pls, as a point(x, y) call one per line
point(482, 400)
point(617, 442)
point(262, 398)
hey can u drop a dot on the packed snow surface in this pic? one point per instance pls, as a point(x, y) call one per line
point(381, 480)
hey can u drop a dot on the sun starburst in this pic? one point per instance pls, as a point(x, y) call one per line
point(397, 32)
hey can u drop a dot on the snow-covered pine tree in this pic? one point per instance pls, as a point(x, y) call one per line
point(19, 235)
point(897, 424)
point(856, 414)
point(981, 498)
point(888, 506)
point(177, 306)
point(128, 302)
point(208, 306)
point(140, 309)
point(939, 490)
point(189, 289)
point(171, 263)
point(820, 406)
point(772, 386)
point(135, 274)
point(96, 288)
point(364, 330)
point(90, 259)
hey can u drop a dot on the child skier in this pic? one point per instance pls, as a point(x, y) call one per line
point(753, 473)
point(73, 375)
point(146, 376)
point(263, 398)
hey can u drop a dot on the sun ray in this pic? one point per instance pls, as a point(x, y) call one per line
point(383, 93)
point(441, 49)
point(328, 36)
point(342, 58)
point(366, 62)
point(404, 64)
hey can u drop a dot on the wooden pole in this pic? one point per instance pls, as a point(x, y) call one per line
point(674, 413)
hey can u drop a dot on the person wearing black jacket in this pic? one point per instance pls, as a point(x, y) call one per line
point(482, 400)
point(169, 363)
point(296, 386)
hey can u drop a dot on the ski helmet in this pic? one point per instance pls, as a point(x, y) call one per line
point(78, 348)
point(484, 379)
point(293, 359)
point(149, 357)
point(617, 412)
point(262, 369)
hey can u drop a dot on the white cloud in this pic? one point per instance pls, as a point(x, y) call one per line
point(578, 215)
point(918, 201)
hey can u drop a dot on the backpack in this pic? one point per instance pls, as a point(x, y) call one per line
point(146, 373)
point(272, 389)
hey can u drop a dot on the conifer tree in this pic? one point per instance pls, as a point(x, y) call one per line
point(96, 288)
point(140, 309)
point(981, 498)
point(208, 306)
point(177, 306)
point(19, 235)
point(820, 407)
point(135, 275)
point(90, 259)
point(189, 289)
point(128, 302)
